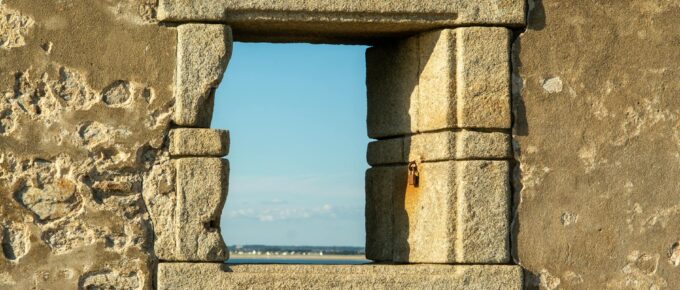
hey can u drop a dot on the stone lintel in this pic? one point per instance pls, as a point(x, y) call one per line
point(199, 142)
point(371, 276)
point(440, 146)
point(342, 21)
point(458, 213)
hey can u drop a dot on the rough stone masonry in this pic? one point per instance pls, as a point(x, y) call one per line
point(543, 132)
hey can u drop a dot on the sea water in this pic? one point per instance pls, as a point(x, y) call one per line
point(298, 261)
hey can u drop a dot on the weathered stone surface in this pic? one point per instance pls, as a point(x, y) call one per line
point(597, 117)
point(392, 88)
point(203, 52)
point(160, 198)
point(381, 184)
point(346, 21)
point(445, 79)
point(436, 95)
point(199, 142)
point(483, 77)
point(440, 146)
point(425, 216)
point(458, 213)
point(483, 145)
point(13, 27)
point(85, 104)
point(221, 276)
point(201, 193)
point(483, 212)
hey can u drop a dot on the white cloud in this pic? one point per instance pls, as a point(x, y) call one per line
point(325, 211)
point(296, 185)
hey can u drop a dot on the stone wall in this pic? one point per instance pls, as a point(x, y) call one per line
point(597, 122)
point(86, 100)
point(111, 179)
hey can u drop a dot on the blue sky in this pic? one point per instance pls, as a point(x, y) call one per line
point(297, 117)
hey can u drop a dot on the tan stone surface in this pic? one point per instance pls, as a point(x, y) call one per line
point(160, 198)
point(483, 77)
point(483, 145)
point(85, 104)
point(199, 142)
point(372, 276)
point(201, 192)
point(440, 146)
point(458, 213)
point(425, 216)
point(203, 52)
point(436, 96)
point(445, 79)
point(483, 213)
point(597, 117)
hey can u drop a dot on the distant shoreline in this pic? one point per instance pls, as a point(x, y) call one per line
point(297, 257)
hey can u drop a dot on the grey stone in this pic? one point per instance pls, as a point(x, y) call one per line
point(372, 276)
point(381, 184)
point(440, 146)
point(199, 142)
point(52, 201)
point(483, 77)
point(201, 193)
point(445, 79)
point(387, 151)
point(345, 21)
point(483, 212)
point(483, 145)
point(203, 52)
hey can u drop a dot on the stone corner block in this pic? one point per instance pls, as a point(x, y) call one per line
point(443, 79)
point(483, 77)
point(203, 52)
point(199, 142)
point(483, 212)
point(202, 185)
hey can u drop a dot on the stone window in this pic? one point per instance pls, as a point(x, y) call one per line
point(438, 191)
